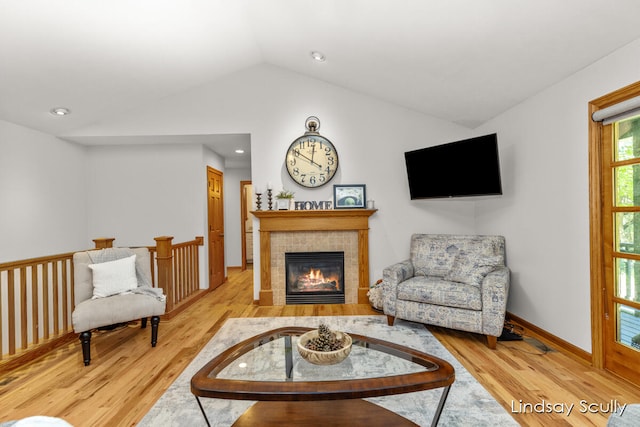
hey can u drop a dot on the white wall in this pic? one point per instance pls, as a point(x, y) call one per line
point(42, 194)
point(371, 136)
point(138, 192)
point(544, 212)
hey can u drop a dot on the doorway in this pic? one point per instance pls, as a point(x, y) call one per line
point(246, 222)
point(615, 237)
point(215, 215)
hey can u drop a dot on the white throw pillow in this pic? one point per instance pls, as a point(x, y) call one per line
point(114, 277)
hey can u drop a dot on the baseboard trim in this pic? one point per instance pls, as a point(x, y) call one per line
point(185, 303)
point(560, 344)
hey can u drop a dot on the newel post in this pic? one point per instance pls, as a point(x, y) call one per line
point(164, 260)
point(104, 242)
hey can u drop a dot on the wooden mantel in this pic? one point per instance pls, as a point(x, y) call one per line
point(313, 220)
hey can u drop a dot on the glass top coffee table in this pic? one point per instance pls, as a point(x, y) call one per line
point(292, 391)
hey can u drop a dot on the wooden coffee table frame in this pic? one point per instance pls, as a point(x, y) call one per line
point(439, 374)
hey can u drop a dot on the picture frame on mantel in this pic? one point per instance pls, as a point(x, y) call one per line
point(352, 196)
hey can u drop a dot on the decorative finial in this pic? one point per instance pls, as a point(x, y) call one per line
point(312, 123)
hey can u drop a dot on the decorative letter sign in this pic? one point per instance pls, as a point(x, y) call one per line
point(309, 206)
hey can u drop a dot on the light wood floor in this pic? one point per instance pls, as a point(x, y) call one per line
point(127, 376)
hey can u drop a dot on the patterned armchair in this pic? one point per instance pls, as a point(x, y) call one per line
point(454, 281)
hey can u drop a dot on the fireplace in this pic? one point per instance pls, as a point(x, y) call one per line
point(314, 277)
point(345, 230)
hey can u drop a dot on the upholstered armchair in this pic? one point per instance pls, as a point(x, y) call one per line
point(113, 286)
point(454, 281)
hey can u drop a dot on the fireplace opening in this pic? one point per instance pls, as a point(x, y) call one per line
point(314, 277)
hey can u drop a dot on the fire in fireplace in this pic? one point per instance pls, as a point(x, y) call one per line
point(314, 277)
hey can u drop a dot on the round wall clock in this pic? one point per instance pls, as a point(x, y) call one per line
point(312, 160)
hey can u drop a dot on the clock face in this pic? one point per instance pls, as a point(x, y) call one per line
point(312, 160)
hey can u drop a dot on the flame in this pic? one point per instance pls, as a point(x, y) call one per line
point(314, 279)
point(316, 276)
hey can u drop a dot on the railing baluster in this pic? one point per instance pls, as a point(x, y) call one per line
point(183, 273)
point(45, 300)
point(11, 311)
point(65, 300)
point(35, 308)
point(23, 308)
point(194, 269)
point(179, 274)
point(176, 275)
point(56, 300)
point(152, 258)
point(72, 297)
point(189, 268)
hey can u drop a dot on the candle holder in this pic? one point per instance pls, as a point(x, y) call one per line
point(258, 201)
point(270, 199)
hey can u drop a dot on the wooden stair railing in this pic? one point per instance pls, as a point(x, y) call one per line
point(177, 269)
point(37, 297)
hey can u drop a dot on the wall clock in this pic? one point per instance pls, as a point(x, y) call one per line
point(312, 160)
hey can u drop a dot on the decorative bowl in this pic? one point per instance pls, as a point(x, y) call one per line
point(324, 357)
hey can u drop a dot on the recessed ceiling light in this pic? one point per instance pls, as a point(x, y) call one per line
point(318, 56)
point(240, 151)
point(60, 111)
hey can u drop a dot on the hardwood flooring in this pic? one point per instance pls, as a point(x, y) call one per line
point(127, 376)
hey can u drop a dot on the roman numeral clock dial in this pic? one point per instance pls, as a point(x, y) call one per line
point(312, 160)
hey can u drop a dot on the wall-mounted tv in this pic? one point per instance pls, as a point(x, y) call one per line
point(470, 167)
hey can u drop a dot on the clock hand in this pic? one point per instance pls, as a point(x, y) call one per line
point(313, 152)
point(310, 160)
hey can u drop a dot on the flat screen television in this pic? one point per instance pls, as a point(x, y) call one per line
point(470, 167)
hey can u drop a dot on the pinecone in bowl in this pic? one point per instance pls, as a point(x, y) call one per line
point(324, 346)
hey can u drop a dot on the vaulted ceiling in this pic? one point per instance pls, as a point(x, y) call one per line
point(465, 61)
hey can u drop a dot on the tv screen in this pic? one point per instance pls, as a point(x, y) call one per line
point(470, 167)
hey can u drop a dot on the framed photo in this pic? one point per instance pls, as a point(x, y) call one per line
point(349, 196)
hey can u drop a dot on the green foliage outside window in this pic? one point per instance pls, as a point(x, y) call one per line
point(627, 193)
point(628, 179)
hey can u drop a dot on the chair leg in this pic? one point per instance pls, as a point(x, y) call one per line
point(85, 339)
point(143, 323)
point(492, 342)
point(155, 321)
point(390, 320)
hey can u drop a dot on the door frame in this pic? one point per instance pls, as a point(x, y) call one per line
point(596, 220)
point(243, 219)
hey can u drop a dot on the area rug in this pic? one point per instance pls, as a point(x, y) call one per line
point(468, 404)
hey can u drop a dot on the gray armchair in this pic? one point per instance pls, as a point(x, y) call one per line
point(454, 281)
point(114, 286)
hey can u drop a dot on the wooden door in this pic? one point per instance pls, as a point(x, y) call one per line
point(621, 226)
point(215, 212)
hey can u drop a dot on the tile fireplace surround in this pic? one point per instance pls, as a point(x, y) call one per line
point(344, 230)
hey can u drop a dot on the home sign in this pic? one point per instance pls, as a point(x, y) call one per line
point(313, 205)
